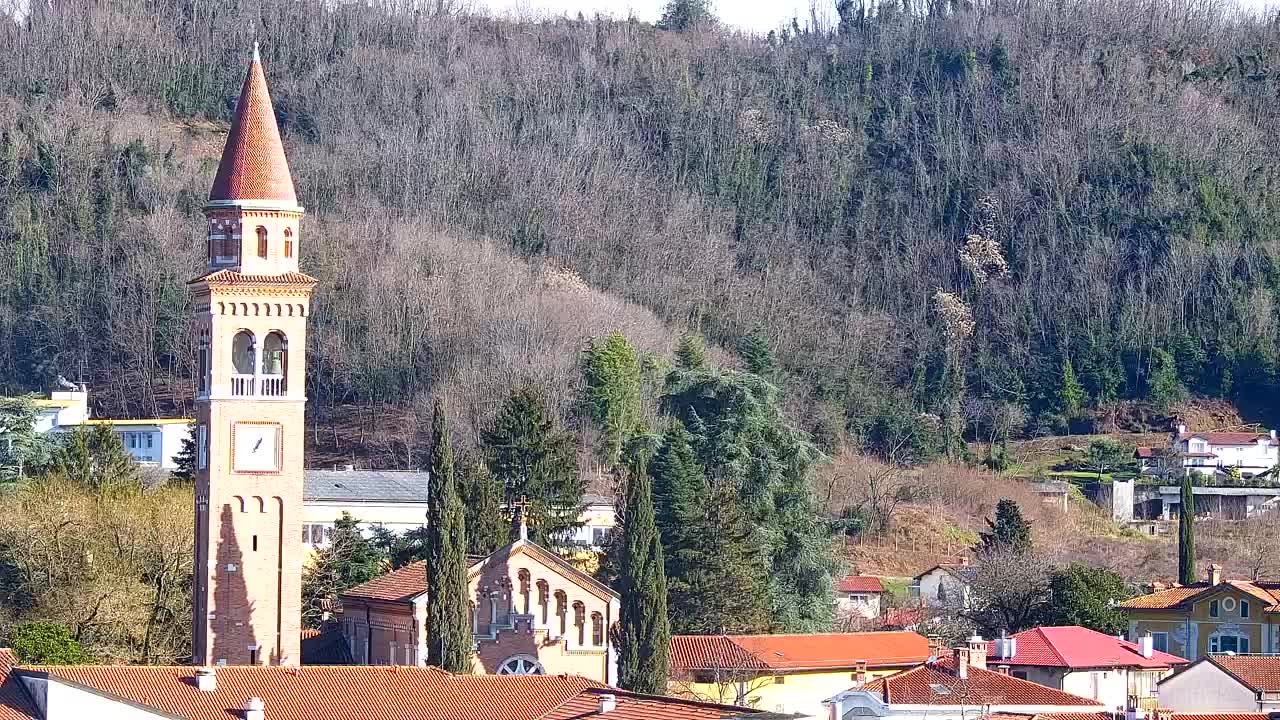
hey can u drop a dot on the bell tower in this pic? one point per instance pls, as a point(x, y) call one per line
point(251, 308)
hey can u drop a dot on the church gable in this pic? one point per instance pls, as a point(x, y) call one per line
point(539, 562)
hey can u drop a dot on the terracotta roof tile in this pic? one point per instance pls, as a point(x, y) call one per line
point(1220, 716)
point(901, 617)
point(798, 652)
point(920, 686)
point(396, 586)
point(1226, 438)
point(253, 165)
point(1264, 591)
point(14, 702)
point(1164, 599)
point(1259, 672)
point(860, 583)
point(363, 692)
point(1078, 647)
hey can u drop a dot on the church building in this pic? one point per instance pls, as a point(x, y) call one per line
point(532, 613)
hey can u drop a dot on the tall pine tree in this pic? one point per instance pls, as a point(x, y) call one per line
point(1009, 531)
point(534, 459)
point(644, 629)
point(487, 529)
point(448, 610)
point(1187, 533)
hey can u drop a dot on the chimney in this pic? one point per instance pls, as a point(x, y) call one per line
point(860, 673)
point(1158, 587)
point(254, 709)
point(349, 468)
point(1182, 429)
point(608, 703)
point(962, 663)
point(935, 646)
point(1002, 669)
point(206, 679)
point(978, 652)
point(1215, 574)
point(1147, 646)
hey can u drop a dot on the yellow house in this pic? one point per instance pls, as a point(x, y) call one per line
point(786, 673)
point(1211, 616)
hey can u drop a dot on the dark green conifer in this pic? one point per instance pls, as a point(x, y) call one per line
point(487, 529)
point(1187, 533)
point(645, 634)
point(1009, 531)
point(448, 609)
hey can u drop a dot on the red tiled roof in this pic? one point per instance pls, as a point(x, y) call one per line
point(1259, 672)
point(396, 586)
point(362, 692)
point(1077, 647)
point(901, 617)
point(1164, 599)
point(253, 165)
point(1267, 592)
point(1050, 716)
point(1220, 716)
point(797, 652)
point(860, 583)
point(1148, 452)
point(920, 686)
point(14, 702)
point(1225, 438)
point(233, 277)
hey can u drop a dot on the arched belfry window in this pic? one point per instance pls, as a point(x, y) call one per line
point(243, 358)
point(288, 242)
point(275, 363)
point(262, 242)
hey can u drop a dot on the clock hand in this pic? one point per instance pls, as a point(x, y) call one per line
point(257, 445)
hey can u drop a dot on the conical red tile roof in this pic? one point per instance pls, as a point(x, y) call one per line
point(253, 165)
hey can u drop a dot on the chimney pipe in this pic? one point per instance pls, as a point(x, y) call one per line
point(254, 709)
point(206, 679)
point(860, 673)
point(1215, 574)
point(962, 663)
point(608, 703)
point(978, 652)
point(1146, 646)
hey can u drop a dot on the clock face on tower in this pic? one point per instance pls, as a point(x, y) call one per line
point(257, 447)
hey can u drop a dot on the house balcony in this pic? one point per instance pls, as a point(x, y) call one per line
point(243, 385)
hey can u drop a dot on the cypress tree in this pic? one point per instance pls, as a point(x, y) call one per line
point(645, 634)
point(448, 624)
point(1187, 533)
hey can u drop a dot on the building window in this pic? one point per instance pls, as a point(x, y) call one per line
point(523, 577)
point(202, 446)
point(562, 612)
point(149, 439)
point(543, 600)
point(262, 242)
point(1213, 608)
point(1244, 608)
point(597, 629)
point(1020, 674)
point(1229, 644)
point(779, 679)
point(1160, 641)
point(580, 622)
point(288, 242)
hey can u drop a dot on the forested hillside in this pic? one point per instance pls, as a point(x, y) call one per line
point(988, 216)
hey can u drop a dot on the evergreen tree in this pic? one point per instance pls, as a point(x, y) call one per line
point(611, 395)
point(691, 354)
point(487, 529)
point(1087, 596)
point(1187, 533)
point(348, 560)
point(645, 634)
point(684, 15)
point(448, 609)
point(1071, 395)
point(186, 457)
point(534, 459)
point(1163, 386)
point(756, 354)
point(46, 643)
point(94, 457)
point(1009, 530)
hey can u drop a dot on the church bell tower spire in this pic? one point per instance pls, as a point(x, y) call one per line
point(251, 307)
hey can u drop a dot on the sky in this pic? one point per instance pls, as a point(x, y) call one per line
point(754, 15)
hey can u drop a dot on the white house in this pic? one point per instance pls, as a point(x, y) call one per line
point(944, 586)
point(1117, 673)
point(859, 596)
point(151, 441)
point(959, 687)
point(1224, 683)
point(1209, 452)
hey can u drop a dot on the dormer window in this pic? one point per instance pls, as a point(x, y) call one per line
point(288, 242)
point(262, 242)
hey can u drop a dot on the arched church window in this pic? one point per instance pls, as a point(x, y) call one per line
point(523, 576)
point(242, 351)
point(543, 600)
point(262, 242)
point(597, 629)
point(580, 621)
point(520, 665)
point(562, 611)
point(288, 242)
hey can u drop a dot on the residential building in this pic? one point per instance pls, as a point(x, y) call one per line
point(1117, 673)
point(944, 586)
point(859, 596)
point(1208, 453)
point(152, 442)
point(1219, 502)
point(1208, 617)
point(532, 613)
point(1224, 683)
point(786, 673)
point(63, 408)
point(120, 692)
point(957, 687)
